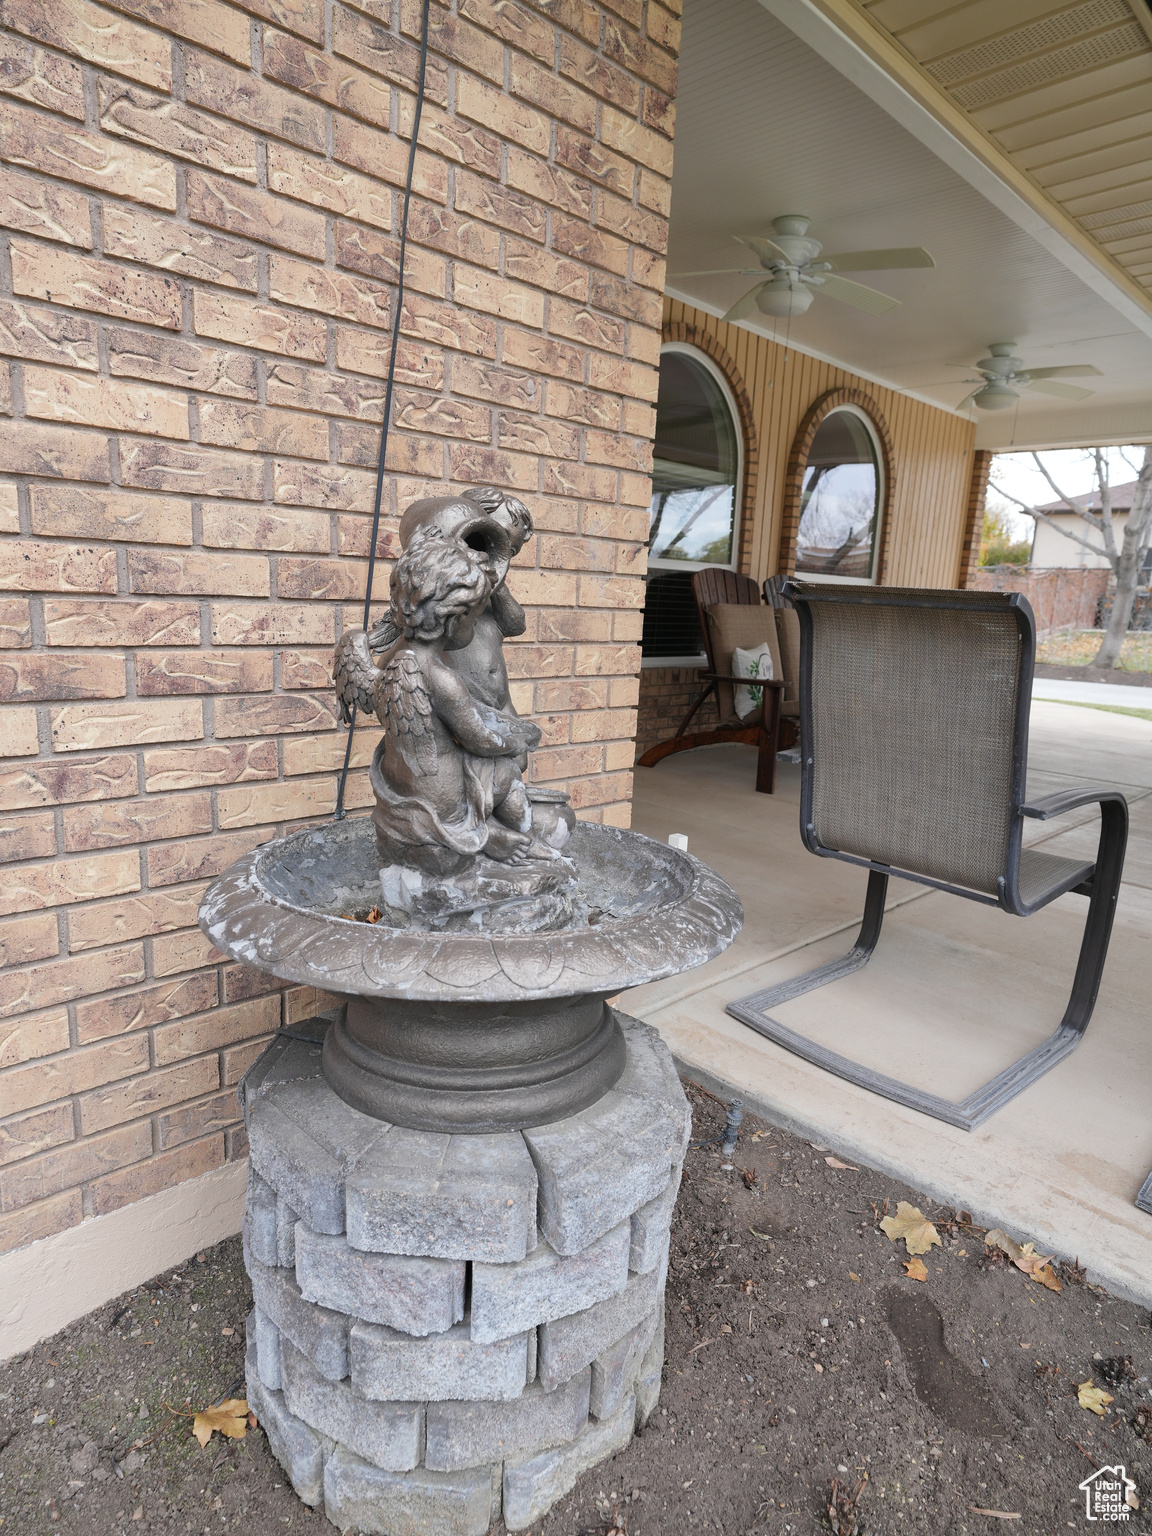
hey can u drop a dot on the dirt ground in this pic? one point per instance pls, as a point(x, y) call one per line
point(799, 1354)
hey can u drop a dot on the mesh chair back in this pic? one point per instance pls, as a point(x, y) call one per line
point(915, 718)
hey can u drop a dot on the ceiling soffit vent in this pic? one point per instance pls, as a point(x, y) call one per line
point(1049, 32)
point(1076, 58)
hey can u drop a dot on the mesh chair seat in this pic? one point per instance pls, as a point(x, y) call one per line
point(1043, 876)
point(914, 718)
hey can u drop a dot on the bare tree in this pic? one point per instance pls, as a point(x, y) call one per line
point(1126, 557)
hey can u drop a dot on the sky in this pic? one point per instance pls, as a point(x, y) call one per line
point(1071, 468)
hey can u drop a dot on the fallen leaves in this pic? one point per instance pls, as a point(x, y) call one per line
point(855, 1279)
point(1036, 1266)
point(915, 1270)
point(994, 1514)
point(229, 1418)
point(1116, 1370)
point(834, 1162)
point(1094, 1398)
point(913, 1226)
point(844, 1508)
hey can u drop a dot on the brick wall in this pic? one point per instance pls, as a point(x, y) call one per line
point(201, 207)
point(1060, 599)
point(666, 695)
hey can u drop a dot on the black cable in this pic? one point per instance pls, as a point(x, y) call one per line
point(338, 813)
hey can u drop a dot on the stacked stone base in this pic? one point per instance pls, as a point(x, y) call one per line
point(451, 1328)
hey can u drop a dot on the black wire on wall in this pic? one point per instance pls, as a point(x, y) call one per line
point(338, 814)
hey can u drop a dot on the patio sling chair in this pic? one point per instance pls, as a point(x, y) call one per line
point(719, 595)
point(914, 738)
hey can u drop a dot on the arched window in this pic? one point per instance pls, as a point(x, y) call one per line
point(841, 498)
point(697, 480)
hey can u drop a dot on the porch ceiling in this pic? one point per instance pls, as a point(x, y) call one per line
point(776, 118)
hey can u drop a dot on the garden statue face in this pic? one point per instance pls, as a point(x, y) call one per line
point(466, 521)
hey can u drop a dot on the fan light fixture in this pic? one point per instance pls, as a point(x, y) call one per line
point(795, 276)
point(1003, 375)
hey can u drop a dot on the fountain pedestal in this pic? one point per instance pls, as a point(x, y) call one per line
point(449, 1327)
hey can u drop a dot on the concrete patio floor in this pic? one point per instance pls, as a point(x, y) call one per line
point(954, 993)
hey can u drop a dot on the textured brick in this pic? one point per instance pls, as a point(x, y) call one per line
point(220, 1027)
point(501, 206)
point(43, 677)
point(274, 803)
point(203, 1118)
point(24, 939)
point(274, 715)
point(358, 145)
point(322, 485)
point(357, 1495)
point(176, 129)
point(245, 211)
point(196, 858)
point(160, 1172)
point(84, 727)
point(167, 672)
point(144, 1095)
point(194, 253)
point(41, 1081)
point(195, 471)
point(248, 527)
point(56, 396)
point(41, 78)
point(186, 768)
point(477, 1434)
point(27, 837)
point(323, 184)
point(257, 103)
point(121, 623)
point(101, 1017)
point(252, 324)
point(38, 143)
point(310, 389)
point(97, 36)
point(203, 572)
point(57, 568)
point(86, 282)
point(272, 624)
point(31, 1036)
point(47, 783)
point(69, 880)
point(33, 449)
point(55, 1171)
point(359, 38)
point(35, 1132)
point(69, 511)
point(36, 207)
point(176, 952)
point(332, 293)
point(216, 26)
point(293, 62)
point(41, 1220)
point(390, 1366)
point(318, 1332)
point(123, 822)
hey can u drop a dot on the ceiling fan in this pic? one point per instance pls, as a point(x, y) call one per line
point(795, 275)
point(1003, 375)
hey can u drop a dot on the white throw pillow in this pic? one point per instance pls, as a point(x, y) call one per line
point(757, 663)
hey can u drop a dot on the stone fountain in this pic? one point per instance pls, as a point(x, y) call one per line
point(462, 1180)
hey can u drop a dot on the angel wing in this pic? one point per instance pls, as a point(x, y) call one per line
point(383, 635)
point(406, 710)
point(355, 673)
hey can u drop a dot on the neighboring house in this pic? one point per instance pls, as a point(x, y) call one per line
point(201, 206)
point(1051, 549)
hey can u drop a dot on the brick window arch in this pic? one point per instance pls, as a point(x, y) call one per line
point(821, 408)
point(703, 341)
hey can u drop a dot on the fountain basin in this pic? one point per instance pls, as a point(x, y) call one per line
point(470, 1032)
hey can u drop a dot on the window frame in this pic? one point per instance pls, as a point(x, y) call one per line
point(879, 458)
point(698, 355)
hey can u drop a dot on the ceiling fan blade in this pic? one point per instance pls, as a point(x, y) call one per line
point(766, 249)
point(880, 261)
point(1072, 371)
point(1064, 391)
point(744, 307)
point(720, 272)
point(856, 294)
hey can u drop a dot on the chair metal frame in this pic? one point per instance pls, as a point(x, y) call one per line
point(1101, 886)
point(716, 584)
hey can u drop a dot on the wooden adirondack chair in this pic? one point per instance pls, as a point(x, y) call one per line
point(762, 730)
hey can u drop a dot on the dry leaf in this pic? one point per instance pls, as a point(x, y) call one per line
point(373, 916)
point(915, 1270)
point(834, 1162)
point(1095, 1399)
point(853, 1277)
point(1036, 1266)
point(910, 1224)
point(230, 1418)
point(763, 1236)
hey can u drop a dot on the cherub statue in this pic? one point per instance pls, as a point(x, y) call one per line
point(493, 523)
point(445, 775)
